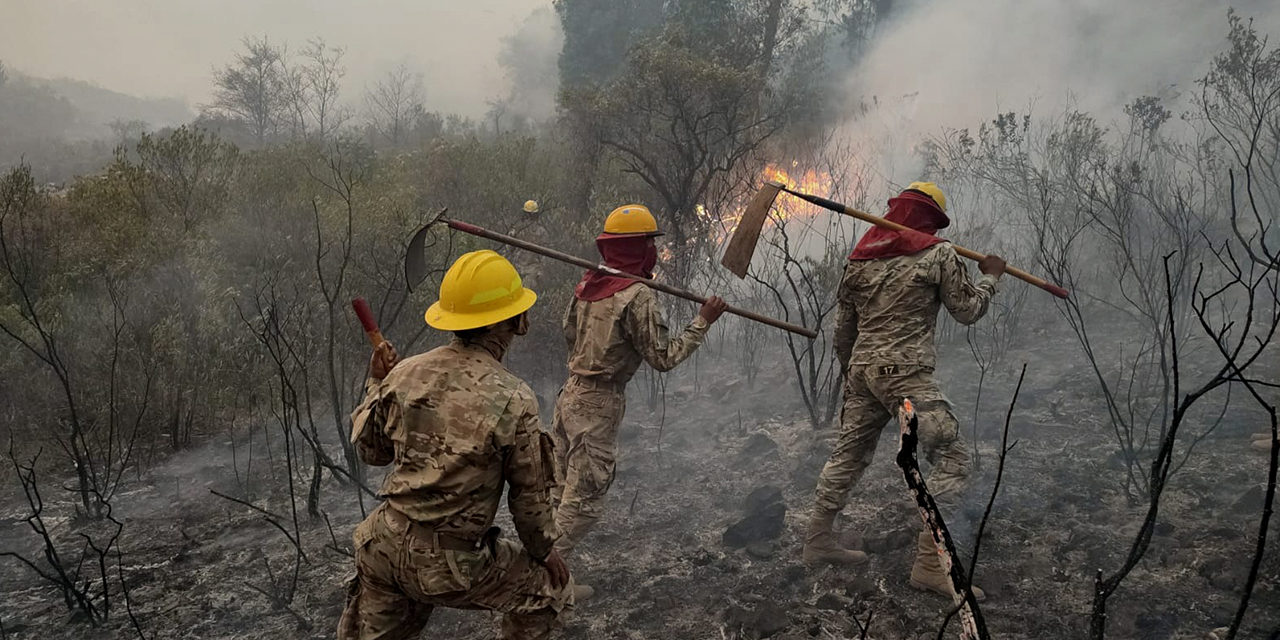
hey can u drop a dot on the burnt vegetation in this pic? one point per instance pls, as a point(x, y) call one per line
point(179, 361)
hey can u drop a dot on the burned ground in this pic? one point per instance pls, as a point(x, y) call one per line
point(666, 565)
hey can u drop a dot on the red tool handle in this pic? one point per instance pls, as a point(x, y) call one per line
point(368, 322)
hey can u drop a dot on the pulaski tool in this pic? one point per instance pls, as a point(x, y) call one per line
point(737, 256)
point(416, 269)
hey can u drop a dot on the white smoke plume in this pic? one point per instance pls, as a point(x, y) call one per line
point(939, 64)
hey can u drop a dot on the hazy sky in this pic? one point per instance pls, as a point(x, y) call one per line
point(169, 47)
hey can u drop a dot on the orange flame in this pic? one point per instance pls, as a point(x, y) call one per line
point(814, 182)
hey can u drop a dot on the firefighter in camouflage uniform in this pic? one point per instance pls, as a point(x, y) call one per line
point(888, 303)
point(612, 325)
point(458, 427)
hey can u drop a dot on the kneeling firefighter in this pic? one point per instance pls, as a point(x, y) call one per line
point(458, 427)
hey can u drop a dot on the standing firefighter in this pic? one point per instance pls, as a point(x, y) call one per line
point(458, 426)
point(888, 309)
point(612, 325)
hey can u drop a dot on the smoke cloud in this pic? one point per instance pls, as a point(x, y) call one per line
point(941, 64)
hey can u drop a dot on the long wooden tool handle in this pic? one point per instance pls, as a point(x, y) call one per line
point(652, 284)
point(368, 322)
point(889, 224)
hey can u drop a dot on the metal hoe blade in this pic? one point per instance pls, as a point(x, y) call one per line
point(737, 256)
point(415, 258)
point(415, 255)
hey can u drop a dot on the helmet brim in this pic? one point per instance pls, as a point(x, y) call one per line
point(640, 234)
point(438, 318)
point(931, 199)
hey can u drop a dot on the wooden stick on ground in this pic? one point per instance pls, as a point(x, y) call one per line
point(972, 626)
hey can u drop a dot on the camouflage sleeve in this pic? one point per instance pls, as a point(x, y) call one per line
point(967, 302)
point(529, 468)
point(367, 422)
point(643, 324)
point(570, 324)
point(846, 329)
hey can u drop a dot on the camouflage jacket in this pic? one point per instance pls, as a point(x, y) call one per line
point(888, 307)
point(458, 426)
point(609, 338)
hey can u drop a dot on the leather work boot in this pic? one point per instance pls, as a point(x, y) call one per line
point(582, 593)
point(927, 573)
point(820, 545)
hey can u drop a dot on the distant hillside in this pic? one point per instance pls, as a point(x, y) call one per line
point(62, 127)
point(72, 110)
point(98, 107)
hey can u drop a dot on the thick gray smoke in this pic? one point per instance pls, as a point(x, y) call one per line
point(939, 64)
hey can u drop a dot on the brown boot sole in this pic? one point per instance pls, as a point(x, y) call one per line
point(946, 594)
point(859, 559)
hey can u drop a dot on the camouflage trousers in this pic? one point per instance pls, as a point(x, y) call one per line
point(872, 394)
point(400, 578)
point(585, 431)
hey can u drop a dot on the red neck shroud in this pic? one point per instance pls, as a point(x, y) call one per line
point(910, 209)
point(628, 254)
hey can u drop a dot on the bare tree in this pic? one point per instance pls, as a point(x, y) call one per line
point(280, 591)
point(1240, 99)
point(393, 103)
point(989, 342)
point(254, 88)
point(341, 174)
point(316, 86)
point(281, 324)
point(801, 286)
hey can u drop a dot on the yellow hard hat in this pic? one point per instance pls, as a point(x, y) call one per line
point(631, 219)
point(480, 289)
point(530, 206)
point(930, 189)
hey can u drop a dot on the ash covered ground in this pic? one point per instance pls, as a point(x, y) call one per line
point(709, 453)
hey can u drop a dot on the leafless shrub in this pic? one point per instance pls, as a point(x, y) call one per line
point(1238, 310)
point(82, 578)
point(280, 590)
point(989, 342)
point(1103, 207)
point(97, 423)
point(801, 258)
